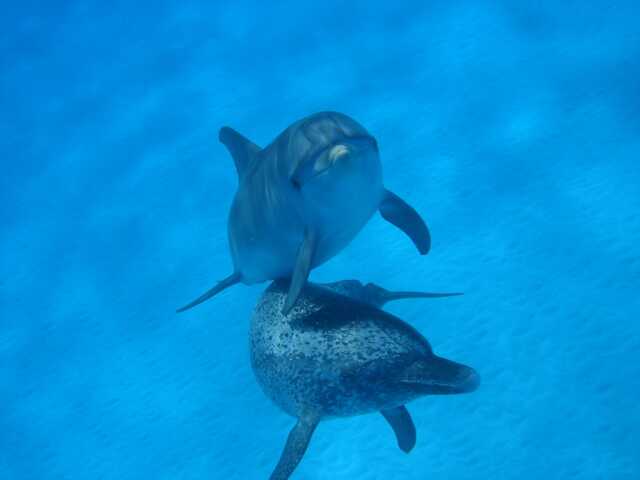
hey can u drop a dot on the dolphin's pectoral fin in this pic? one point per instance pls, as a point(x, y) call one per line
point(400, 420)
point(301, 270)
point(221, 285)
point(378, 296)
point(293, 452)
point(395, 210)
point(241, 149)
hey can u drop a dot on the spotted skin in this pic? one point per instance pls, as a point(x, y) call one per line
point(339, 356)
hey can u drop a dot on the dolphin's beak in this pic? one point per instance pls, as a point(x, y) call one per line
point(452, 377)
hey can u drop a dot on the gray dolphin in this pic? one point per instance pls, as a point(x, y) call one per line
point(303, 198)
point(335, 356)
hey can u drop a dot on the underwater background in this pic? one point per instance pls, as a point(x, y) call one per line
point(512, 127)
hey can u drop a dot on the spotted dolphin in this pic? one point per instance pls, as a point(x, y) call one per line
point(303, 198)
point(336, 356)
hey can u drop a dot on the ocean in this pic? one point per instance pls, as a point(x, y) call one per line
point(513, 127)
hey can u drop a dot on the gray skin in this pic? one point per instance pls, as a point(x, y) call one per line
point(338, 356)
point(303, 198)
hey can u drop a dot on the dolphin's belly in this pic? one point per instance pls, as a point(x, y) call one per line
point(261, 259)
point(265, 246)
point(341, 214)
point(338, 232)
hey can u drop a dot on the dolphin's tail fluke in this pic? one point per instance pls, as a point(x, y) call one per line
point(221, 285)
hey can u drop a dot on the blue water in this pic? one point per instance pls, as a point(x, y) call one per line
point(513, 127)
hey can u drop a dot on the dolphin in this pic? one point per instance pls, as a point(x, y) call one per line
point(303, 198)
point(338, 356)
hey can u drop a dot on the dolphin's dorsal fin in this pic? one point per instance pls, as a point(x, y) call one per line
point(241, 148)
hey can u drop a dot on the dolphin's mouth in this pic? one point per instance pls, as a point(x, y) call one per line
point(467, 382)
point(447, 378)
